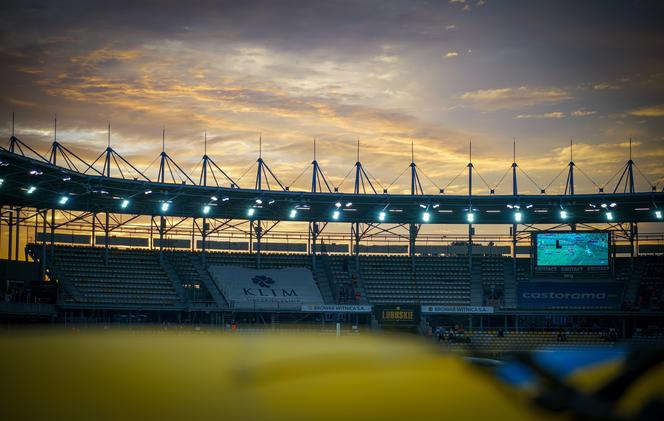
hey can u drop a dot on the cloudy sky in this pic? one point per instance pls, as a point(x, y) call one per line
point(436, 73)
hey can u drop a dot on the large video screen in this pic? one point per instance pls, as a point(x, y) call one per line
point(572, 249)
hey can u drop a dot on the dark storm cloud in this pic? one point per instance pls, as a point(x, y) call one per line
point(385, 71)
point(290, 25)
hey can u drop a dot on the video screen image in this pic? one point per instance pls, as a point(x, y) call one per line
point(573, 249)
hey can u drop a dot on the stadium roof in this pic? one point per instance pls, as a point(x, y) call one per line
point(31, 182)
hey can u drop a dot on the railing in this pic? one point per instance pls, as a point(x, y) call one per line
point(484, 244)
point(252, 305)
point(27, 308)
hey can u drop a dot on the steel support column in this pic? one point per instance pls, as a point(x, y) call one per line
point(18, 233)
point(10, 233)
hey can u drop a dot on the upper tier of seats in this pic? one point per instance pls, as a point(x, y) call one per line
point(434, 280)
point(137, 277)
point(128, 278)
point(651, 290)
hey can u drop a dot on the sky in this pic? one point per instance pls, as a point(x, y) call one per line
point(434, 73)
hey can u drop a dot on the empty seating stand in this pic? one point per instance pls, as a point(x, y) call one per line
point(135, 277)
point(493, 279)
point(391, 279)
point(488, 341)
point(129, 278)
point(651, 288)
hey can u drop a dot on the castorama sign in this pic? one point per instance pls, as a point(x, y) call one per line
point(535, 294)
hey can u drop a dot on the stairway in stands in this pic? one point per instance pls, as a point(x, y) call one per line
point(172, 276)
point(476, 287)
point(509, 292)
point(633, 281)
point(321, 277)
point(207, 280)
point(359, 284)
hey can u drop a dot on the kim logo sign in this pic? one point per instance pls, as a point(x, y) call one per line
point(263, 281)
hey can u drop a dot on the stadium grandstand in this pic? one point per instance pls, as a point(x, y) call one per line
point(101, 243)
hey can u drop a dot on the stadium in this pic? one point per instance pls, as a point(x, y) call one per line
point(590, 280)
point(314, 210)
point(208, 256)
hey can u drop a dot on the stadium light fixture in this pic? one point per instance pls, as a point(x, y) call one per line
point(251, 211)
point(165, 206)
point(426, 217)
point(214, 198)
point(337, 205)
point(148, 192)
point(436, 205)
point(124, 204)
point(293, 213)
point(470, 217)
point(31, 189)
point(66, 178)
point(206, 209)
point(603, 205)
point(336, 214)
point(63, 200)
point(381, 216)
point(613, 205)
point(349, 204)
point(259, 202)
point(518, 216)
point(658, 214)
point(563, 214)
point(2, 180)
point(225, 199)
point(609, 216)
